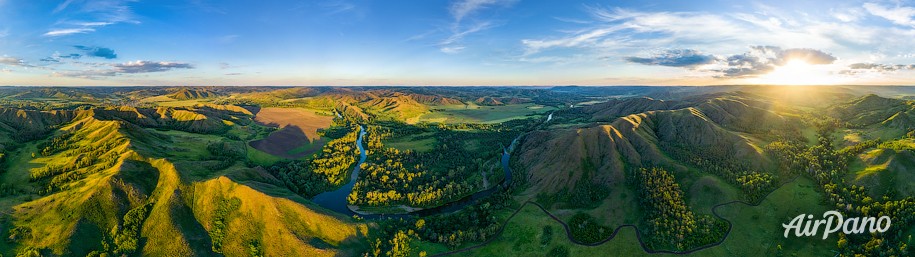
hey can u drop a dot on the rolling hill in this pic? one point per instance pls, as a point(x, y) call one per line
point(724, 126)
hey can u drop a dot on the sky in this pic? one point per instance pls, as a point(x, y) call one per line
point(455, 42)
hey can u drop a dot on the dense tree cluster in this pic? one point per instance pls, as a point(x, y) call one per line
point(669, 222)
point(219, 226)
point(756, 185)
point(124, 239)
point(389, 182)
point(586, 229)
point(225, 153)
point(392, 177)
point(83, 159)
point(895, 145)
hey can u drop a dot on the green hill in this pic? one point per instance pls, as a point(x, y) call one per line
point(872, 110)
point(103, 184)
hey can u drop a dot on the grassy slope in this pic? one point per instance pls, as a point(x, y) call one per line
point(283, 226)
point(74, 220)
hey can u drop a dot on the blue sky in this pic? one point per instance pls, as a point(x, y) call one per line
point(455, 42)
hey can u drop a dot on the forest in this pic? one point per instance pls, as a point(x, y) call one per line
point(392, 177)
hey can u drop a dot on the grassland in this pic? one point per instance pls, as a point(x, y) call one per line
point(482, 114)
point(419, 142)
point(756, 231)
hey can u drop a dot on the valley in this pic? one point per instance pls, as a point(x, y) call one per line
point(462, 171)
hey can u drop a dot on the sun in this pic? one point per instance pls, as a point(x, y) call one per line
point(799, 72)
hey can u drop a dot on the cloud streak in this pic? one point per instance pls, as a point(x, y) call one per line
point(757, 61)
point(687, 58)
point(858, 68)
point(135, 67)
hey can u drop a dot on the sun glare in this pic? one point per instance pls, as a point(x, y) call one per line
point(799, 72)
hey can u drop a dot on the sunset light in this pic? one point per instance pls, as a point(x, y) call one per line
point(799, 72)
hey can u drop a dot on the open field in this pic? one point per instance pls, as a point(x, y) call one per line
point(419, 142)
point(482, 114)
point(297, 135)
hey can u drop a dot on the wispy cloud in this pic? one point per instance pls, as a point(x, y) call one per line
point(901, 15)
point(100, 13)
point(463, 8)
point(134, 67)
point(65, 32)
point(460, 10)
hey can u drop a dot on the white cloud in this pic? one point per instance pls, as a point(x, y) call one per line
point(452, 49)
point(901, 15)
point(65, 32)
point(116, 69)
point(615, 33)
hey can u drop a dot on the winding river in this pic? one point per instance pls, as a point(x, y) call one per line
point(336, 200)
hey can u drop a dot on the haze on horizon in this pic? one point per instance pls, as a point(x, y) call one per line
point(455, 42)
